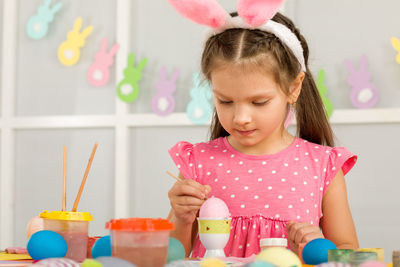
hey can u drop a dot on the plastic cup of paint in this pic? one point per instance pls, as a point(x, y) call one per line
point(141, 241)
point(73, 227)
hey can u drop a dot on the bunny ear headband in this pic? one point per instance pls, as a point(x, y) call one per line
point(253, 14)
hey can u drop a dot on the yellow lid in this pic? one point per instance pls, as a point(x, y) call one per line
point(66, 215)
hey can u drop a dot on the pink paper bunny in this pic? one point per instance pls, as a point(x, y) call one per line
point(363, 93)
point(98, 73)
point(163, 102)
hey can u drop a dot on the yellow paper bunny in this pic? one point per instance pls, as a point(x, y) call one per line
point(396, 45)
point(69, 51)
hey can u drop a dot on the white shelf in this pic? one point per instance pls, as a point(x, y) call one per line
point(340, 116)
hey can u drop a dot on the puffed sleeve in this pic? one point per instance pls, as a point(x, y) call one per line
point(339, 158)
point(183, 156)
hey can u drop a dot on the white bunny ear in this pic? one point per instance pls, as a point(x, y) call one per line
point(257, 12)
point(205, 12)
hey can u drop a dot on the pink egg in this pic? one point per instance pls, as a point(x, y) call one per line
point(214, 208)
point(35, 224)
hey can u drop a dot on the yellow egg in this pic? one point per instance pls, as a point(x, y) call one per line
point(212, 262)
point(278, 256)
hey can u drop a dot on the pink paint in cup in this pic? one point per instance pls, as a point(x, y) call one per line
point(73, 227)
point(141, 241)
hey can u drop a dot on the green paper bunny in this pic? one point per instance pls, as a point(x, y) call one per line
point(323, 90)
point(128, 88)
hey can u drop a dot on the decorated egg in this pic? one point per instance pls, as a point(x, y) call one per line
point(279, 256)
point(46, 244)
point(175, 250)
point(114, 262)
point(102, 247)
point(316, 251)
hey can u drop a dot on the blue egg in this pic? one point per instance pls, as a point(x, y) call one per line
point(46, 244)
point(102, 247)
point(175, 250)
point(316, 251)
point(114, 262)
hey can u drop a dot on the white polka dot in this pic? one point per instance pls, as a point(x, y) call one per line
point(269, 187)
point(321, 189)
point(326, 151)
point(211, 157)
point(232, 156)
point(244, 227)
point(188, 154)
point(215, 146)
point(333, 168)
point(306, 153)
point(248, 245)
point(191, 164)
point(240, 246)
point(286, 164)
point(327, 183)
point(232, 196)
point(312, 194)
point(246, 188)
point(224, 187)
point(316, 160)
point(242, 206)
point(298, 217)
point(224, 150)
point(255, 197)
point(273, 171)
point(340, 154)
point(277, 216)
point(240, 162)
point(276, 226)
point(316, 147)
point(293, 188)
point(312, 222)
point(228, 171)
point(305, 182)
point(202, 150)
point(305, 167)
point(216, 180)
point(254, 226)
point(308, 211)
point(280, 196)
point(296, 159)
point(200, 166)
point(266, 206)
point(302, 199)
point(250, 171)
point(220, 164)
point(295, 173)
point(315, 206)
point(324, 169)
point(259, 179)
point(177, 154)
point(264, 162)
point(236, 178)
point(315, 177)
point(290, 206)
point(208, 173)
point(179, 166)
point(283, 236)
point(283, 180)
point(297, 145)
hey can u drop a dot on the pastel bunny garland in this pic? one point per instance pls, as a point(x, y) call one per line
point(396, 46)
point(163, 102)
point(98, 73)
point(37, 26)
point(199, 109)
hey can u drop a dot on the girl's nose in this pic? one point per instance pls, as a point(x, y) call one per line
point(241, 116)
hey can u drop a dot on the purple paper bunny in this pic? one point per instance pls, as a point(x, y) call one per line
point(163, 102)
point(363, 93)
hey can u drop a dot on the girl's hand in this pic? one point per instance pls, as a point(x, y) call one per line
point(186, 198)
point(301, 232)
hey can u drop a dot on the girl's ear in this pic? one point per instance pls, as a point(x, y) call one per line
point(295, 87)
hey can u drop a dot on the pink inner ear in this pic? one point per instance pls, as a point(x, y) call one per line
point(206, 12)
point(257, 12)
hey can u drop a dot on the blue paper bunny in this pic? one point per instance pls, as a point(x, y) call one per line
point(38, 25)
point(199, 109)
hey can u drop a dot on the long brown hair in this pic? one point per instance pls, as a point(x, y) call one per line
point(266, 51)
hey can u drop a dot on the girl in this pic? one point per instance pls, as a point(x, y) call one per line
point(275, 184)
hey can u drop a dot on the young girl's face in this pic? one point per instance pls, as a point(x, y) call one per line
point(250, 105)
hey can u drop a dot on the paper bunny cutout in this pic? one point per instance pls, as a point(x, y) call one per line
point(163, 102)
point(212, 14)
point(69, 50)
point(37, 26)
point(363, 93)
point(396, 46)
point(128, 88)
point(199, 109)
point(323, 90)
point(98, 73)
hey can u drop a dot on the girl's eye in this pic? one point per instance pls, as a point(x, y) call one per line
point(224, 102)
point(260, 103)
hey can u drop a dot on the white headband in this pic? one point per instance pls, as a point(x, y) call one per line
point(279, 30)
point(253, 14)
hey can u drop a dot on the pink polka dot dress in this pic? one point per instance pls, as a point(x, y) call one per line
point(263, 192)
